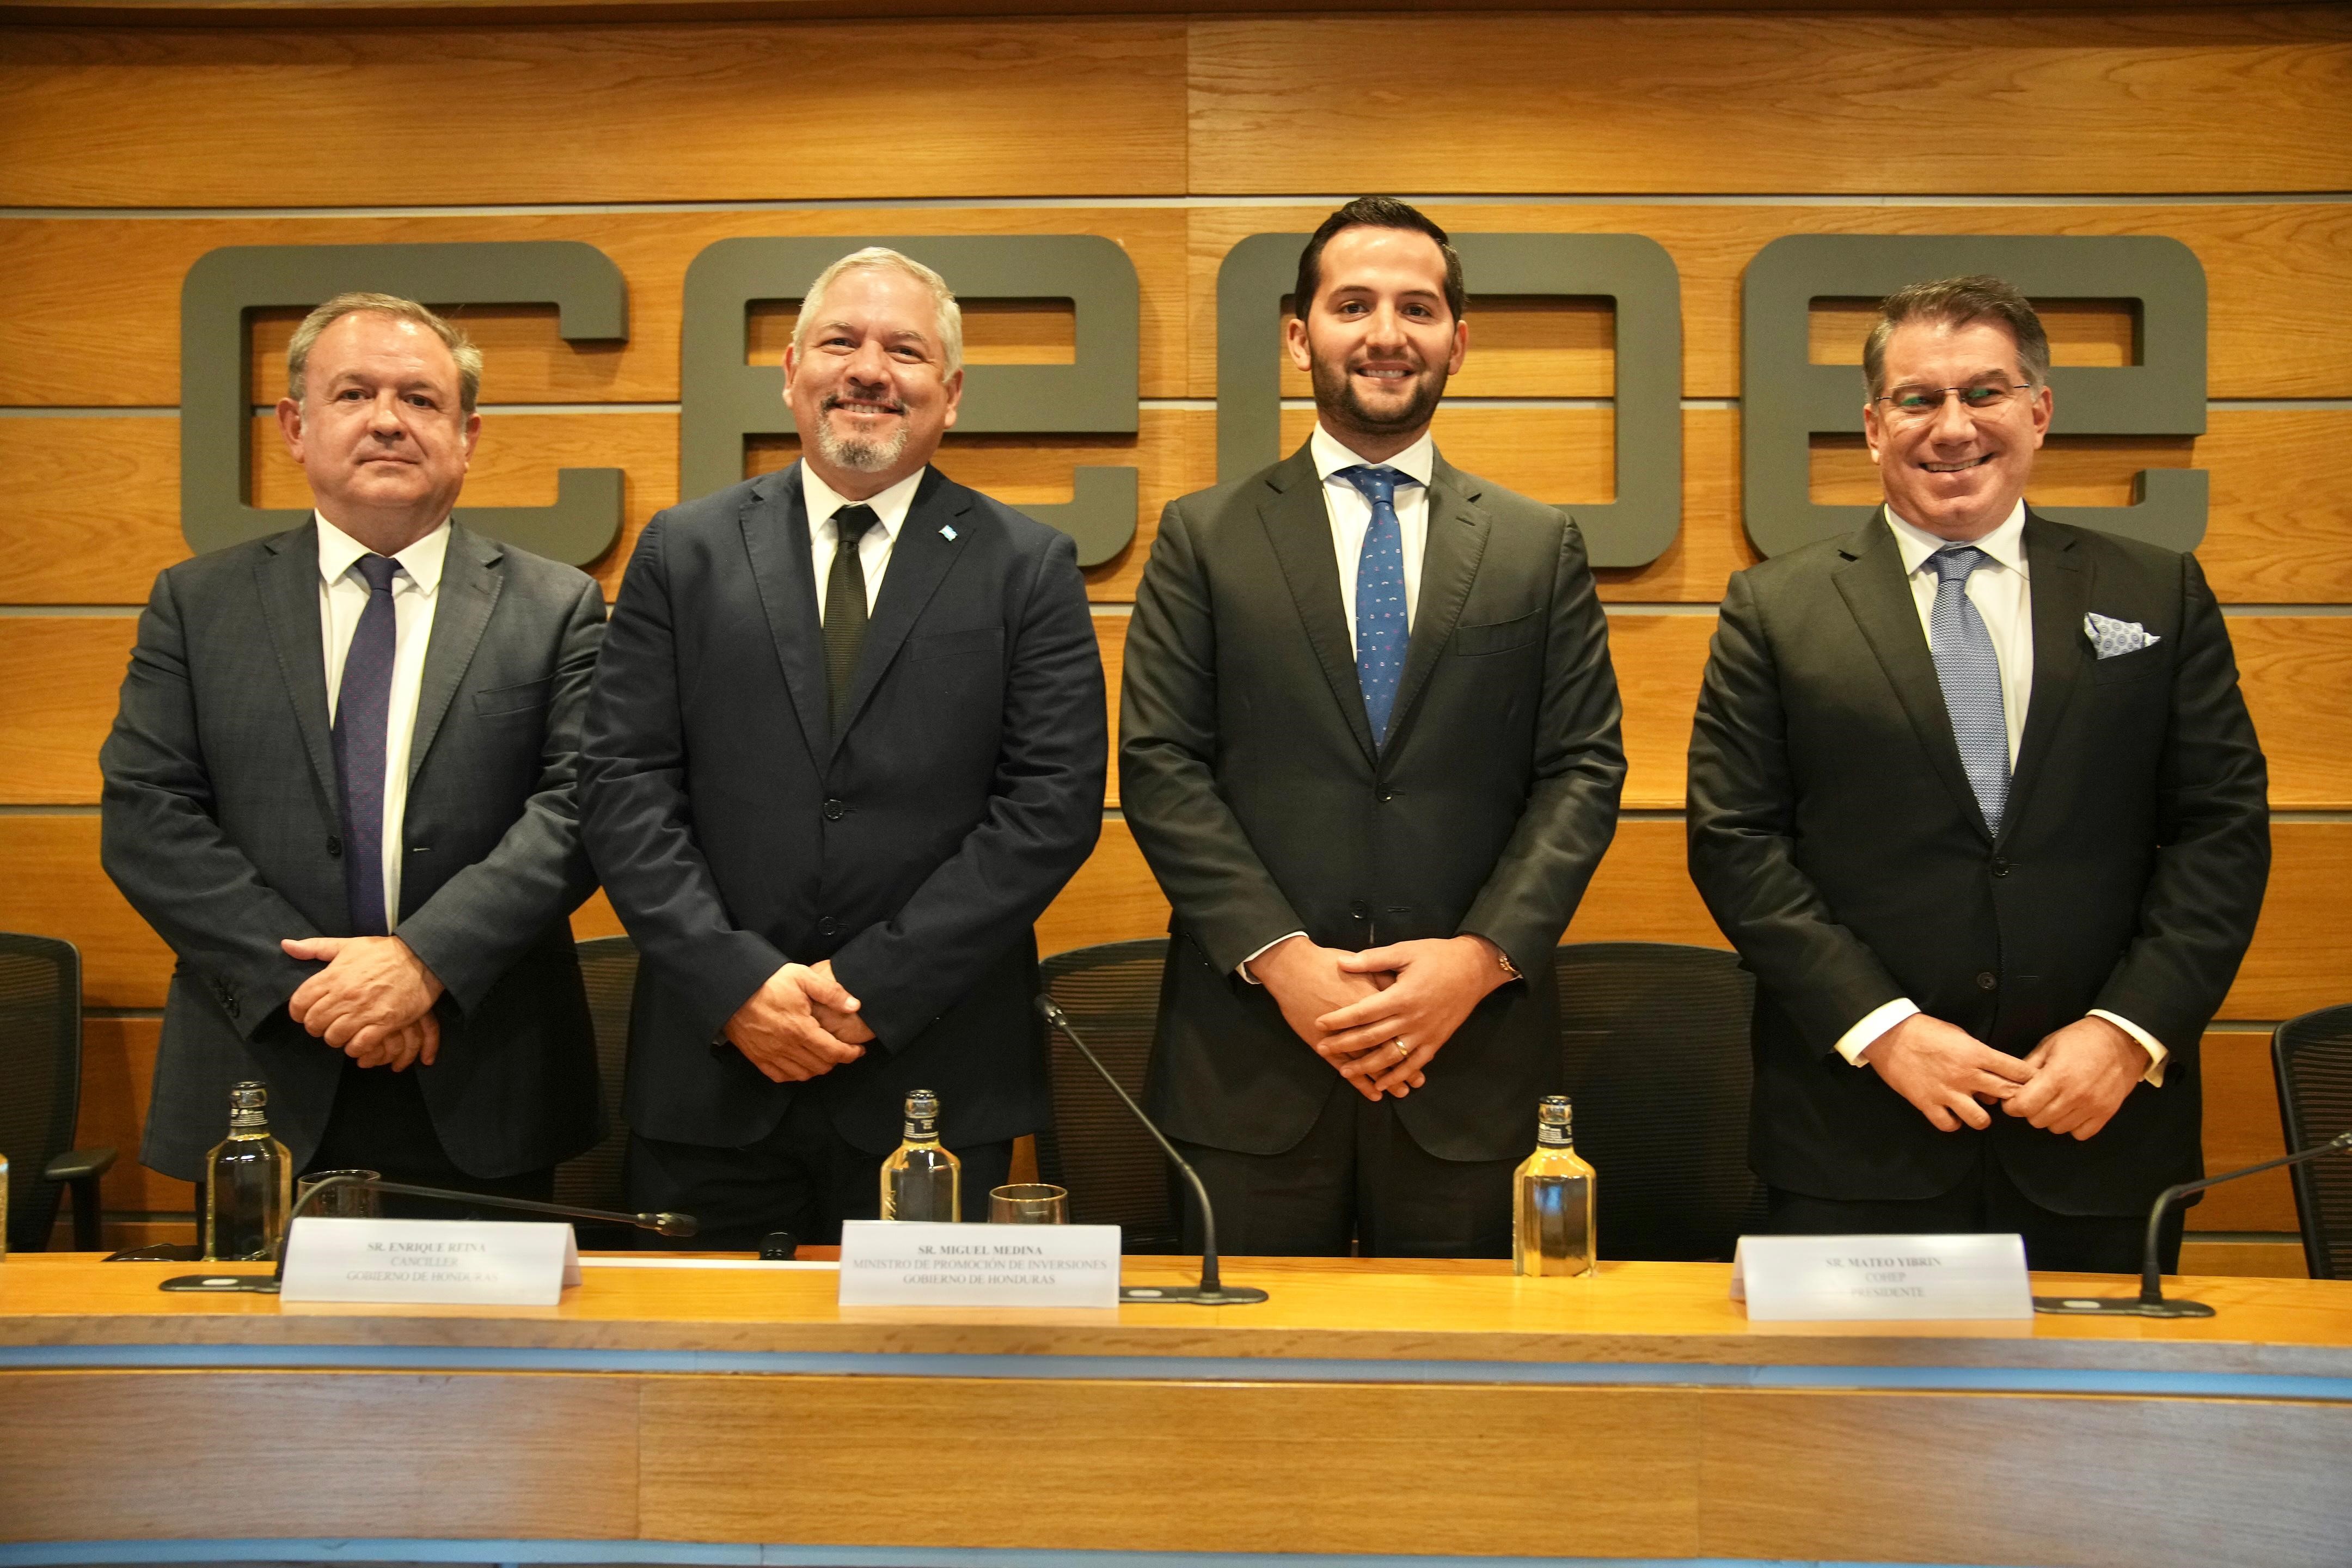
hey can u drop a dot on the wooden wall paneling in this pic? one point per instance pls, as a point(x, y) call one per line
point(91, 318)
point(1247, 1483)
point(53, 887)
point(93, 508)
point(82, 1452)
point(2242, 1128)
point(2299, 959)
point(707, 112)
point(2274, 270)
point(118, 1070)
point(1112, 898)
point(1631, 102)
point(56, 703)
point(1814, 1475)
point(2297, 673)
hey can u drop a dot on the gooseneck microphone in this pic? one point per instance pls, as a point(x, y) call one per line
point(2150, 1302)
point(268, 1284)
point(1209, 1291)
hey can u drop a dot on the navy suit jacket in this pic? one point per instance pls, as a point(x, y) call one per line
point(737, 828)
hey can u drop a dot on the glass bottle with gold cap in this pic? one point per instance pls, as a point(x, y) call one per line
point(249, 1178)
point(1551, 1200)
point(920, 1181)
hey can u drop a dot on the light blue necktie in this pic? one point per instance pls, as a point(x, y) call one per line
point(1970, 676)
point(1381, 628)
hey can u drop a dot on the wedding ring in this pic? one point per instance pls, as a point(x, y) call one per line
point(1401, 1051)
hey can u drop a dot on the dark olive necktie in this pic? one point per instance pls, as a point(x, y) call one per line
point(845, 604)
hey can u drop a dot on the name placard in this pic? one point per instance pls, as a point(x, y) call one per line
point(488, 1262)
point(915, 1263)
point(1824, 1278)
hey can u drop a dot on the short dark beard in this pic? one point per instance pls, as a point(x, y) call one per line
point(1336, 400)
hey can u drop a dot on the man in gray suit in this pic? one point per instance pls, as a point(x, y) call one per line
point(1368, 743)
point(341, 786)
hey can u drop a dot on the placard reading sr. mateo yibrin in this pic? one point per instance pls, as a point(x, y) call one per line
point(912, 1263)
point(1827, 1279)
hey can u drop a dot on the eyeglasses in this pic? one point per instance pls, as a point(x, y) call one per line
point(1914, 403)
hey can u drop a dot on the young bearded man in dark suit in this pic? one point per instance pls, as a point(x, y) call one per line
point(341, 786)
point(1976, 795)
point(846, 744)
point(1368, 743)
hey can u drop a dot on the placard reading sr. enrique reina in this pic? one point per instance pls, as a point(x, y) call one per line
point(489, 1262)
point(911, 1262)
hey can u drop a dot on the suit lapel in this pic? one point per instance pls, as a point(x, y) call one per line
point(919, 559)
point(1879, 595)
point(288, 580)
point(1456, 542)
point(1299, 526)
point(471, 581)
point(775, 526)
point(2061, 591)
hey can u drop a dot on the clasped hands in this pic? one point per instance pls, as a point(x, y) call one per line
point(374, 1001)
point(1379, 1016)
point(2071, 1083)
point(801, 1024)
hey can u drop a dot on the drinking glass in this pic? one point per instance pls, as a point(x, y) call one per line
point(343, 1202)
point(1029, 1202)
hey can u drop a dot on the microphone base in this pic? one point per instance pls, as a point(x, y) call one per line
point(223, 1284)
point(1192, 1295)
point(2118, 1306)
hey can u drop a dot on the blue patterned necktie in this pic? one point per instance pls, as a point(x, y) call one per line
point(1970, 676)
point(1381, 625)
point(361, 703)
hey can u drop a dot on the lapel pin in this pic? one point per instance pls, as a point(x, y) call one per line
point(947, 531)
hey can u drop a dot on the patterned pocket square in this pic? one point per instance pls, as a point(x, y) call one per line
point(2111, 637)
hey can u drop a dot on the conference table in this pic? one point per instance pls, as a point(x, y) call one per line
point(715, 1410)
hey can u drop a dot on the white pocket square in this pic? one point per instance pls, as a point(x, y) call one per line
point(2111, 637)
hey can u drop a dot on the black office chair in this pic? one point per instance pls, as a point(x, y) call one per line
point(1653, 1038)
point(40, 1093)
point(2312, 1057)
point(592, 1179)
point(1116, 1174)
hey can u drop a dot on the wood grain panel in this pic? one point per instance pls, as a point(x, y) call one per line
point(117, 1072)
point(1659, 660)
point(1242, 1480)
point(491, 1456)
point(706, 112)
point(91, 318)
point(2243, 1259)
point(2298, 671)
point(2299, 959)
point(50, 885)
point(97, 498)
point(57, 703)
point(1112, 898)
point(1808, 1475)
point(2273, 271)
point(2242, 1128)
point(2153, 102)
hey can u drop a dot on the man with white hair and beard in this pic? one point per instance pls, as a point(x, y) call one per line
point(846, 740)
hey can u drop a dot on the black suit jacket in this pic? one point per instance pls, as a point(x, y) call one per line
point(1247, 772)
point(1835, 837)
point(222, 820)
point(735, 830)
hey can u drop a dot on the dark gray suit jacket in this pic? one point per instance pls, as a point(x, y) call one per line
point(222, 823)
point(1247, 772)
point(1835, 837)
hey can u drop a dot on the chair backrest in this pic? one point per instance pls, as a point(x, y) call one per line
point(1655, 1036)
point(40, 1075)
point(608, 967)
point(1115, 1172)
point(2312, 1058)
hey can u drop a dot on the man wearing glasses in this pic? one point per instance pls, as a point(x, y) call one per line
point(1976, 796)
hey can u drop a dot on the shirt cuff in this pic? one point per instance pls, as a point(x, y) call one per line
point(1874, 1023)
point(2157, 1055)
point(1242, 968)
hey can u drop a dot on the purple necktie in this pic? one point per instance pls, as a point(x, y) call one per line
point(361, 706)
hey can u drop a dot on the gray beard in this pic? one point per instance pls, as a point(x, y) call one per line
point(860, 456)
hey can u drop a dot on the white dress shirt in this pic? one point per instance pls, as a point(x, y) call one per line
point(1351, 518)
point(874, 546)
point(2001, 589)
point(342, 596)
